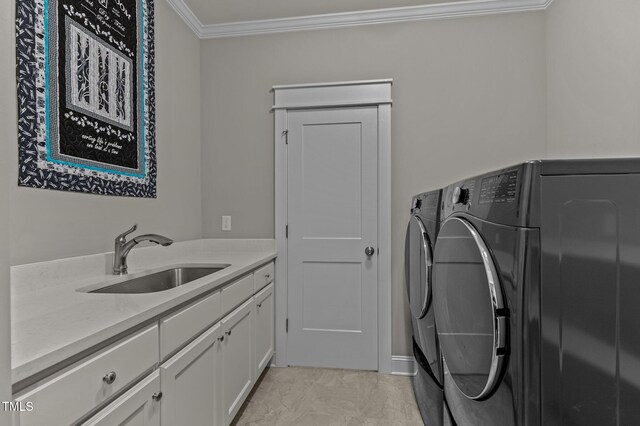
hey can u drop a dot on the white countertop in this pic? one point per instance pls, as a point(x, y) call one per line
point(51, 321)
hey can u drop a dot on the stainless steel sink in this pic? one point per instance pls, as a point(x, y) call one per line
point(159, 281)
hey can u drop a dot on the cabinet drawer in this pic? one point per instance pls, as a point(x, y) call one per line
point(137, 406)
point(71, 395)
point(235, 294)
point(187, 323)
point(263, 276)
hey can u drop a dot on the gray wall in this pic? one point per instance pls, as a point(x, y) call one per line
point(484, 92)
point(593, 78)
point(51, 224)
point(469, 95)
point(7, 123)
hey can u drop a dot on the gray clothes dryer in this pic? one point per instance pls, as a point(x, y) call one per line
point(421, 234)
point(536, 295)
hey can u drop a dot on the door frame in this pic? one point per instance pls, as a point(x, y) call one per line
point(373, 93)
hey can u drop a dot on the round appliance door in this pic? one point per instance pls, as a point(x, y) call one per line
point(418, 262)
point(469, 309)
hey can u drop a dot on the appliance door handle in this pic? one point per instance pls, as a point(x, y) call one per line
point(500, 323)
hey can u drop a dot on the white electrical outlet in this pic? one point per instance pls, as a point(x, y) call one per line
point(226, 223)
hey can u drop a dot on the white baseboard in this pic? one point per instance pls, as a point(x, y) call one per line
point(403, 365)
point(400, 365)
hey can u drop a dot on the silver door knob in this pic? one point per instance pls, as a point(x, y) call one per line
point(109, 378)
point(369, 251)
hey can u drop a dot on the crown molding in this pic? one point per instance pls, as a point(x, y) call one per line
point(187, 15)
point(348, 19)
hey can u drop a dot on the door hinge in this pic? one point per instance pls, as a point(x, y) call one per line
point(286, 231)
point(286, 326)
point(285, 133)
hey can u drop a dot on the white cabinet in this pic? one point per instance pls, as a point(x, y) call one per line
point(264, 329)
point(238, 373)
point(140, 406)
point(93, 381)
point(191, 382)
point(204, 382)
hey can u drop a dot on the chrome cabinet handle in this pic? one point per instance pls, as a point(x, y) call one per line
point(259, 305)
point(109, 378)
point(369, 251)
point(228, 333)
point(267, 276)
point(221, 338)
point(157, 396)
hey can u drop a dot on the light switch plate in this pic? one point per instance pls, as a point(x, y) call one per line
point(226, 223)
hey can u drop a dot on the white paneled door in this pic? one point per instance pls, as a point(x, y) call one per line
point(332, 242)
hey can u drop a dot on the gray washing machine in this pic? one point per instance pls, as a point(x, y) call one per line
point(536, 295)
point(420, 237)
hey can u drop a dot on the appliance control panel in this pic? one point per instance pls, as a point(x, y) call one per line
point(428, 203)
point(500, 188)
point(496, 196)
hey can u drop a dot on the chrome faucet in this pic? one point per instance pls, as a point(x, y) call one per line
point(123, 247)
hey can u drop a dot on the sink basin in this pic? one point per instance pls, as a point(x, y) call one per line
point(159, 281)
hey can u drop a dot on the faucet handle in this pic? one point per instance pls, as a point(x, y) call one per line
point(122, 237)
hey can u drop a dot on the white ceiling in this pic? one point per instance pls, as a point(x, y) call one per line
point(211, 12)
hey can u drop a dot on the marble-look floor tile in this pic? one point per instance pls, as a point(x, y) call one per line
point(326, 397)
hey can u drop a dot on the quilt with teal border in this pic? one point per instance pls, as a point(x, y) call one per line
point(86, 96)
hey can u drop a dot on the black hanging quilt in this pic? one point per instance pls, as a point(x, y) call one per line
point(86, 96)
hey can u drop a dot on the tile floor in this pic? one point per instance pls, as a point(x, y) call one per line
point(327, 397)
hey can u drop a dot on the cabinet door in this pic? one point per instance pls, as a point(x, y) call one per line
point(237, 359)
point(138, 406)
point(264, 329)
point(190, 383)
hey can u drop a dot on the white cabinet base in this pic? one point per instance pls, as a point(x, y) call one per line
point(204, 383)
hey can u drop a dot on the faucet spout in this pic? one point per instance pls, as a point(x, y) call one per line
point(123, 247)
point(154, 238)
